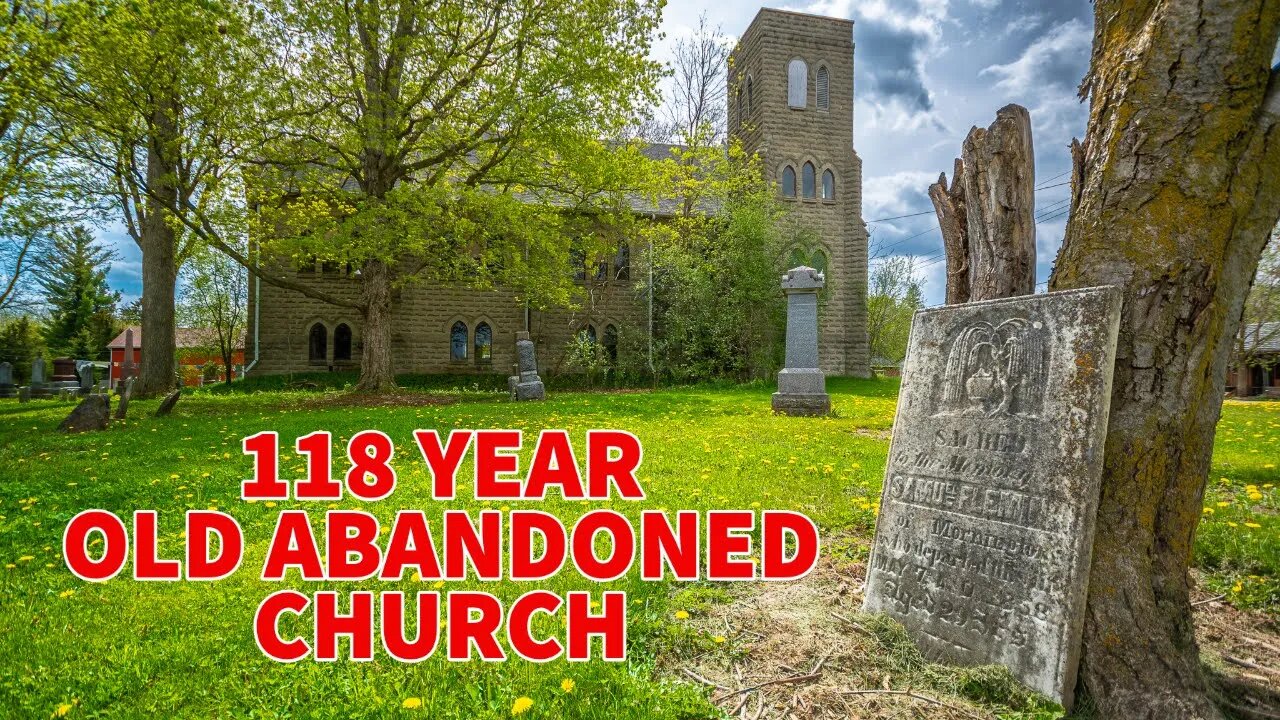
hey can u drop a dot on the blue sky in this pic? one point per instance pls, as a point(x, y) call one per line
point(925, 71)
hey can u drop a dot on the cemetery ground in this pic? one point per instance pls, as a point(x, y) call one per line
point(130, 649)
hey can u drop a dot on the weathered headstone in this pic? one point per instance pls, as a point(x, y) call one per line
point(127, 366)
point(92, 413)
point(24, 394)
point(985, 532)
point(802, 388)
point(166, 406)
point(37, 387)
point(527, 385)
point(7, 388)
point(126, 391)
point(84, 369)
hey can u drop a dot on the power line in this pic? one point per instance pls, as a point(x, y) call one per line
point(899, 217)
point(1055, 177)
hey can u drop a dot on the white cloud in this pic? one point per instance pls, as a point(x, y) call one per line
point(1048, 61)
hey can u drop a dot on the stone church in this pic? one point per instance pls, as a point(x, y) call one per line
point(790, 100)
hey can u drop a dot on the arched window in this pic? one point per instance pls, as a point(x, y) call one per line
point(622, 261)
point(741, 117)
point(797, 83)
point(588, 332)
point(788, 182)
point(749, 98)
point(796, 259)
point(318, 343)
point(828, 185)
point(807, 180)
point(458, 341)
point(822, 89)
point(342, 342)
point(611, 343)
point(484, 343)
point(819, 261)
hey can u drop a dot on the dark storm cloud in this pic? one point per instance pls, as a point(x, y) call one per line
point(889, 64)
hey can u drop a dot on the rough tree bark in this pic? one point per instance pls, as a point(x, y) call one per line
point(949, 206)
point(1178, 183)
point(157, 372)
point(376, 368)
point(987, 216)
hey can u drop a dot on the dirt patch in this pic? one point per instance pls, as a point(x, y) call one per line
point(1241, 648)
point(370, 400)
point(803, 650)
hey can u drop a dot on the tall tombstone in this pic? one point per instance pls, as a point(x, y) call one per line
point(526, 385)
point(7, 388)
point(37, 385)
point(127, 367)
point(84, 368)
point(802, 388)
point(985, 532)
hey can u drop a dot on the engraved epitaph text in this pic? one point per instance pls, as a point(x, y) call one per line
point(986, 520)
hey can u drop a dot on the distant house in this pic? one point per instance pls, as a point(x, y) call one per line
point(198, 355)
point(1262, 344)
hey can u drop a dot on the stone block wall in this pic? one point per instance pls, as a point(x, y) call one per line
point(423, 315)
point(789, 136)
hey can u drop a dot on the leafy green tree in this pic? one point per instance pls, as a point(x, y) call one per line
point(894, 296)
point(456, 141)
point(715, 267)
point(20, 343)
point(81, 306)
point(30, 42)
point(214, 297)
point(153, 103)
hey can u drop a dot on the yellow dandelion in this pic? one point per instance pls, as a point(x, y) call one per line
point(718, 639)
point(63, 709)
point(268, 504)
point(26, 558)
point(412, 703)
point(9, 566)
point(66, 593)
point(1223, 503)
point(1252, 525)
point(438, 584)
point(1237, 587)
point(521, 705)
point(417, 576)
point(567, 685)
point(682, 615)
point(1231, 524)
point(1255, 496)
point(1208, 511)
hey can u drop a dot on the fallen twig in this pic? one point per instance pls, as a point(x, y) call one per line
point(1206, 601)
point(914, 695)
point(702, 680)
point(1249, 664)
point(780, 681)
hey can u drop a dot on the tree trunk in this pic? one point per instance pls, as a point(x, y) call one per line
point(1179, 184)
point(999, 191)
point(157, 372)
point(376, 371)
point(987, 216)
point(948, 204)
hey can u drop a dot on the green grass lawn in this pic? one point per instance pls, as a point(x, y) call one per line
point(129, 649)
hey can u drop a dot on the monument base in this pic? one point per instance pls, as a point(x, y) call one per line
point(802, 404)
point(530, 391)
point(8, 391)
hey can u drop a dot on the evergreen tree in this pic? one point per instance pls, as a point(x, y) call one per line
point(20, 342)
point(82, 308)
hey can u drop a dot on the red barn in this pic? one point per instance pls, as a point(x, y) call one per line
point(197, 348)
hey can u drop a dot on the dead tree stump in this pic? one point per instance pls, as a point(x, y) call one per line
point(987, 215)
